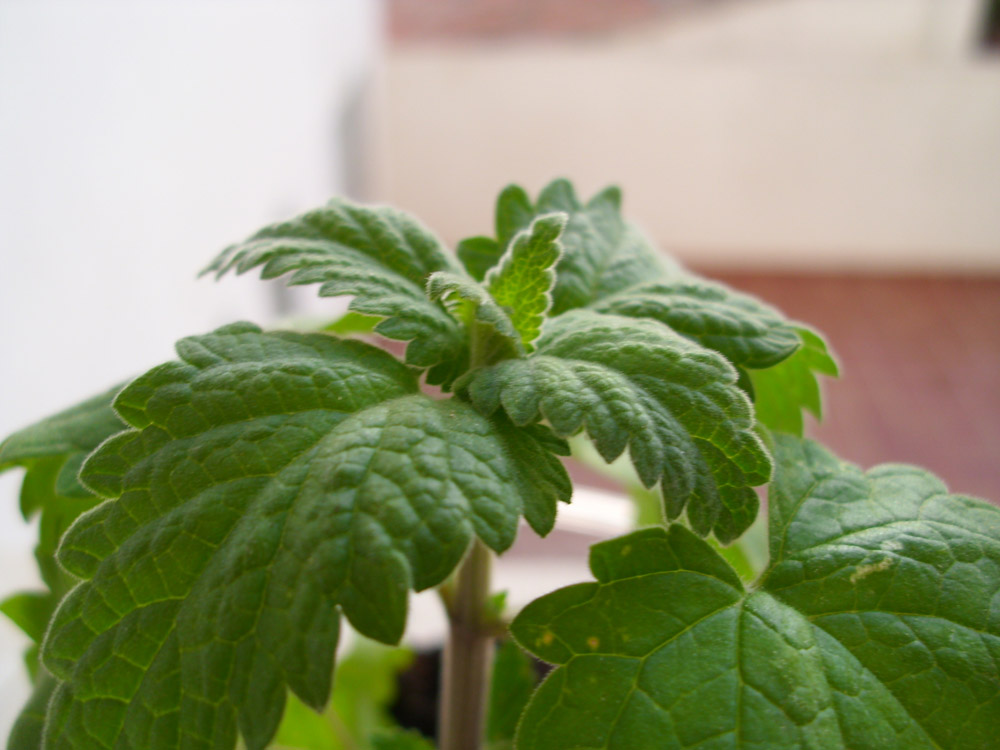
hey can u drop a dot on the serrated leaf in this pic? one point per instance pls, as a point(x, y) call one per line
point(472, 304)
point(271, 481)
point(522, 280)
point(743, 329)
point(634, 383)
point(51, 452)
point(379, 255)
point(783, 391)
point(875, 627)
point(602, 253)
point(512, 682)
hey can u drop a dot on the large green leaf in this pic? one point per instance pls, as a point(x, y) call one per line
point(379, 255)
point(743, 329)
point(875, 627)
point(522, 280)
point(783, 391)
point(634, 383)
point(270, 482)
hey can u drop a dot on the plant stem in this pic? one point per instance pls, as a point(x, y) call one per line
point(467, 656)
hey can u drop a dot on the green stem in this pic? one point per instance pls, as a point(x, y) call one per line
point(467, 656)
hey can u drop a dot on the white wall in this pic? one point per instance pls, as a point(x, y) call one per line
point(851, 134)
point(137, 138)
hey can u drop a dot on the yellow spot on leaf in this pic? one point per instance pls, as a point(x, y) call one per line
point(863, 571)
point(594, 642)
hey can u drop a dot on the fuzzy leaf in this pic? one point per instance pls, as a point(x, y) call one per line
point(634, 383)
point(471, 302)
point(875, 627)
point(523, 279)
point(783, 391)
point(602, 254)
point(378, 254)
point(741, 328)
point(271, 481)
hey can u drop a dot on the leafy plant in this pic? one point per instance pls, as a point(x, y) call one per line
point(214, 518)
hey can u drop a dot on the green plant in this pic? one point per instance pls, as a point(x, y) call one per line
point(214, 518)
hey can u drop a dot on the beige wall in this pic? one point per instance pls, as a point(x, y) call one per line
point(778, 133)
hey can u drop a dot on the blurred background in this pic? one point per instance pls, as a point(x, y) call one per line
point(839, 158)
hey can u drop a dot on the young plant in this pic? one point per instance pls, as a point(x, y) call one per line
point(232, 505)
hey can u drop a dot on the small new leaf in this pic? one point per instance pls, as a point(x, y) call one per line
point(783, 391)
point(602, 254)
point(471, 303)
point(874, 627)
point(634, 383)
point(523, 279)
point(270, 482)
point(379, 255)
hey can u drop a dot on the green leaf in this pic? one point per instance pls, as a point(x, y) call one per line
point(66, 438)
point(366, 686)
point(471, 303)
point(26, 734)
point(522, 281)
point(271, 481)
point(511, 685)
point(30, 611)
point(379, 255)
point(51, 452)
point(478, 255)
point(874, 628)
point(514, 213)
point(782, 391)
point(352, 323)
point(634, 383)
point(602, 254)
point(302, 728)
point(740, 327)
